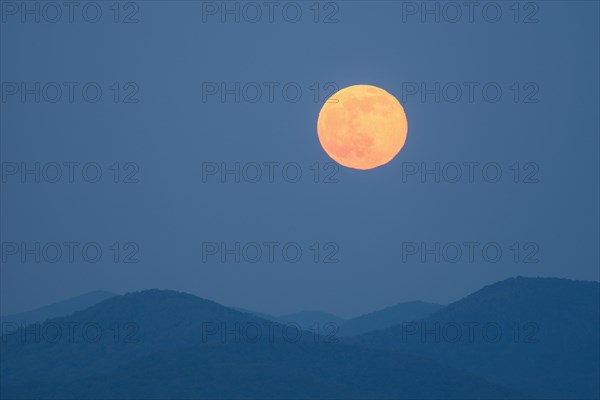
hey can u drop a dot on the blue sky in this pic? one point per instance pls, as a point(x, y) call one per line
point(167, 99)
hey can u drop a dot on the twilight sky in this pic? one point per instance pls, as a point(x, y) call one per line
point(212, 179)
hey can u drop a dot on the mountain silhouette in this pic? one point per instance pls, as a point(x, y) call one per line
point(165, 344)
point(326, 323)
point(313, 320)
point(256, 313)
point(58, 309)
point(122, 327)
point(537, 336)
point(274, 371)
point(389, 316)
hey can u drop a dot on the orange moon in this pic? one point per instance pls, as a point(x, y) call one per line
point(362, 127)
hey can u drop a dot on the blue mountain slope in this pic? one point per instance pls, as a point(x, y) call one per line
point(164, 344)
point(387, 317)
point(59, 309)
point(537, 336)
point(312, 320)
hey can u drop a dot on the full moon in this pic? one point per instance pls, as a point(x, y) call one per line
point(362, 127)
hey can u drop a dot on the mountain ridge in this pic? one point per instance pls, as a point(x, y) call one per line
point(168, 350)
point(56, 309)
point(539, 336)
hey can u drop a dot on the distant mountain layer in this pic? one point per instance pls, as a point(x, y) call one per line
point(312, 320)
point(537, 336)
point(164, 344)
point(319, 321)
point(256, 313)
point(54, 310)
point(524, 337)
point(390, 316)
point(315, 321)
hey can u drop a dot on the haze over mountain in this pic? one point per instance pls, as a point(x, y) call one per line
point(256, 313)
point(524, 337)
point(58, 309)
point(389, 316)
point(325, 322)
point(117, 331)
point(157, 344)
point(538, 336)
point(312, 320)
